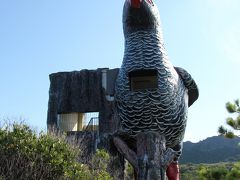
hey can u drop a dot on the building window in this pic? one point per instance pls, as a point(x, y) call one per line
point(143, 79)
point(78, 121)
point(91, 122)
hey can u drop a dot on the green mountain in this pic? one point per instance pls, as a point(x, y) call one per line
point(211, 150)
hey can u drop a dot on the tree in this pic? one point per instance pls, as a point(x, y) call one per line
point(233, 122)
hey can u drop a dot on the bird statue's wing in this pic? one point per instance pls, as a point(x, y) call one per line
point(190, 84)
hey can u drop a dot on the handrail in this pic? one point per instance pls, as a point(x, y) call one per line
point(92, 124)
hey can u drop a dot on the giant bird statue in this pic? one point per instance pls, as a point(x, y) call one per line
point(150, 93)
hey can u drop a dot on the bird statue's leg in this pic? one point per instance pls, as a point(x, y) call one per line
point(173, 171)
point(173, 168)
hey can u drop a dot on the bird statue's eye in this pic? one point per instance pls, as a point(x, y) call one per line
point(150, 2)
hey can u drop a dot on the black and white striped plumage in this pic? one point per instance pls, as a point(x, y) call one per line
point(162, 109)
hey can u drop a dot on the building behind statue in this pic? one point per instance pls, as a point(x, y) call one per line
point(81, 104)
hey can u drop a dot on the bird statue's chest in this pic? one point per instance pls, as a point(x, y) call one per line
point(146, 70)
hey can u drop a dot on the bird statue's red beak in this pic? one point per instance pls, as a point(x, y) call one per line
point(135, 3)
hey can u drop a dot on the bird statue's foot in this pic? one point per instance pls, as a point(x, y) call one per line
point(173, 171)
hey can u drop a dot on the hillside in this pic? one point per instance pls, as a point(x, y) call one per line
point(211, 150)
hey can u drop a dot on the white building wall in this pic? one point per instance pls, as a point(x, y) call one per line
point(68, 122)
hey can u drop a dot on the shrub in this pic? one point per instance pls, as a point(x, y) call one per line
point(24, 154)
point(234, 173)
point(212, 173)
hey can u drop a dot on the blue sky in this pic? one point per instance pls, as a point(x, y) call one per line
point(38, 38)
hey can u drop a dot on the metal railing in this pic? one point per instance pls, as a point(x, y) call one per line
point(93, 125)
point(93, 128)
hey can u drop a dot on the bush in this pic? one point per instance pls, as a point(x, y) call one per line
point(212, 173)
point(24, 154)
point(234, 173)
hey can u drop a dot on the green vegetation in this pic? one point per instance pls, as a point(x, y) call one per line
point(24, 154)
point(219, 171)
point(234, 123)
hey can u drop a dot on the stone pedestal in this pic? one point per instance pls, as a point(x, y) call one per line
point(146, 152)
